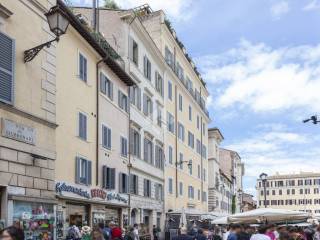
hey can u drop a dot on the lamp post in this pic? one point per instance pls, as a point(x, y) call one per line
point(263, 177)
point(58, 24)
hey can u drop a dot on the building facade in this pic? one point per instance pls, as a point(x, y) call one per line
point(293, 191)
point(248, 203)
point(187, 120)
point(92, 176)
point(28, 117)
point(215, 183)
point(145, 65)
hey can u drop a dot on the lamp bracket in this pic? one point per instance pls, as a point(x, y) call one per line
point(30, 54)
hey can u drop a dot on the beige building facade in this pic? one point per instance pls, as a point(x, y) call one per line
point(298, 192)
point(28, 116)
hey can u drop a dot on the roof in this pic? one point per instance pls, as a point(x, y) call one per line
point(115, 67)
point(217, 130)
point(294, 176)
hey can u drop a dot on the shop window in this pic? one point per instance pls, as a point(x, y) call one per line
point(36, 219)
point(108, 175)
point(123, 183)
point(83, 171)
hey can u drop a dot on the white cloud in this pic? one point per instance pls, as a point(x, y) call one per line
point(312, 5)
point(265, 79)
point(279, 8)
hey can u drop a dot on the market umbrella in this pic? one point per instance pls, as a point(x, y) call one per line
point(268, 215)
point(183, 219)
point(220, 221)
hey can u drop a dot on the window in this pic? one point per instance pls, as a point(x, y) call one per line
point(106, 86)
point(147, 105)
point(180, 188)
point(147, 68)
point(124, 146)
point(82, 126)
point(135, 144)
point(198, 122)
point(106, 137)
point(190, 192)
point(159, 83)
point(122, 101)
point(204, 151)
point(204, 175)
point(273, 192)
point(158, 156)
point(181, 160)
point(170, 122)
point(134, 184)
point(82, 68)
point(158, 191)
point(204, 196)
point(199, 194)
point(123, 183)
point(83, 171)
point(170, 154)
point(135, 96)
point(169, 90)
point(190, 113)
point(204, 129)
point(148, 150)
point(7, 63)
point(198, 146)
point(170, 187)
point(146, 188)
point(108, 177)
point(199, 171)
point(179, 71)
point(190, 168)
point(189, 84)
point(134, 51)
point(280, 192)
point(181, 132)
point(169, 57)
point(180, 102)
point(190, 140)
point(159, 116)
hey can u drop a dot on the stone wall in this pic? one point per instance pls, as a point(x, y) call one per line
point(26, 175)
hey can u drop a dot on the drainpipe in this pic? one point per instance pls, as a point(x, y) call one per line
point(176, 136)
point(201, 154)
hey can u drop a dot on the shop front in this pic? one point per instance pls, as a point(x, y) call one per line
point(84, 206)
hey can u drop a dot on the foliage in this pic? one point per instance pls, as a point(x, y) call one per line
point(111, 4)
point(233, 206)
point(105, 45)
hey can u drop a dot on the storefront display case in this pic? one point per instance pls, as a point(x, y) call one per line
point(36, 219)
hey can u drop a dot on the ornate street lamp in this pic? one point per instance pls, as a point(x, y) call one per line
point(58, 24)
point(263, 177)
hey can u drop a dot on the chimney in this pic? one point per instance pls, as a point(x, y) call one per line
point(94, 15)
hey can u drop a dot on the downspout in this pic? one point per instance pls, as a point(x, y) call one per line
point(97, 119)
point(176, 136)
point(201, 154)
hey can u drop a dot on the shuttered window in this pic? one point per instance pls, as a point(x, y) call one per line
point(82, 126)
point(123, 183)
point(83, 171)
point(191, 192)
point(180, 102)
point(158, 83)
point(7, 61)
point(158, 191)
point(108, 175)
point(124, 146)
point(170, 153)
point(170, 187)
point(135, 96)
point(180, 188)
point(134, 51)
point(134, 184)
point(135, 143)
point(170, 122)
point(122, 101)
point(169, 90)
point(82, 67)
point(146, 188)
point(181, 132)
point(106, 86)
point(147, 105)
point(190, 140)
point(106, 137)
point(159, 157)
point(148, 150)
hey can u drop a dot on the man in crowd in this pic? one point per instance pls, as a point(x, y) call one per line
point(261, 235)
point(235, 230)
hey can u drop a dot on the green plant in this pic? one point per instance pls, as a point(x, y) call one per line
point(111, 4)
point(233, 206)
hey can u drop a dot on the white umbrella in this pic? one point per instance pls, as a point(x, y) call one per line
point(183, 219)
point(267, 214)
point(220, 220)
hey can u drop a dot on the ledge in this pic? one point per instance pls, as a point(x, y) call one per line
point(5, 12)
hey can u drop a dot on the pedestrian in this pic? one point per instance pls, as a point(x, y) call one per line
point(129, 234)
point(155, 232)
point(226, 233)
point(183, 235)
point(105, 231)
point(270, 231)
point(96, 234)
point(216, 234)
point(245, 233)
point(261, 235)
point(136, 231)
point(116, 232)
point(200, 235)
point(74, 233)
point(11, 233)
point(235, 229)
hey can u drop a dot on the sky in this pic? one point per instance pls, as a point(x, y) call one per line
point(261, 62)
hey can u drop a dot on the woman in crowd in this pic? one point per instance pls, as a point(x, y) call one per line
point(11, 233)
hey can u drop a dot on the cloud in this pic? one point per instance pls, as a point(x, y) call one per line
point(264, 79)
point(313, 5)
point(279, 9)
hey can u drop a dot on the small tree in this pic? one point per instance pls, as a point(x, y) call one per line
point(233, 206)
point(111, 4)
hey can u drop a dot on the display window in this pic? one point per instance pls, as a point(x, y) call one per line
point(36, 219)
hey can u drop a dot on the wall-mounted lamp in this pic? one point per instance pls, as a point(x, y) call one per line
point(58, 24)
point(181, 162)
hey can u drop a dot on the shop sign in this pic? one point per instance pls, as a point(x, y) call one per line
point(19, 132)
point(63, 188)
